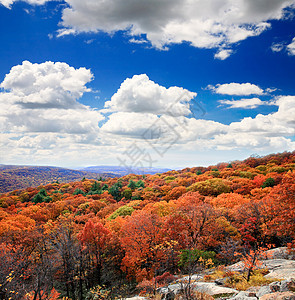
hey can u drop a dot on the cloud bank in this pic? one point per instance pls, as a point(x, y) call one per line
point(41, 119)
point(204, 24)
point(39, 111)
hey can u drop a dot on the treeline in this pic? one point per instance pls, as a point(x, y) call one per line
point(101, 239)
point(21, 177)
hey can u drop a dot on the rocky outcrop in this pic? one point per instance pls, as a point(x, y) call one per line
point(135, 298)
point(209, 288)
point(279, 253)
point(279, 296)
point(276, 290)
point(244, 295)
point(278, 268)
point(281, 289)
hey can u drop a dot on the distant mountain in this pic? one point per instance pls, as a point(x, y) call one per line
point(122, 171)
point(20, 177)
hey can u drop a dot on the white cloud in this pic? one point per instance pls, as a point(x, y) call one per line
point(272, 132)
point(138, 41)
point(158, 130)
point(239, 89)
point(141, 95)
point(210, 24)
point(65, 31)
point(243, 103)
point(132, 120)
point(129, 123)
point(291, 47)
point(280, 123)
point(46, 85)
point(271, 90)
point(8, 3)
point(204, 24)
point(223, 54)
point(41, 120)
point(43, 98)
point(277, 47)
point(37, 128)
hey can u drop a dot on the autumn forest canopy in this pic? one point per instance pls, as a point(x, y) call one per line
point(109, 237)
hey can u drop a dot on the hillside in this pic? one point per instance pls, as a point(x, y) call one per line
point(110, 238)
point(20, 177)
point(122, 171)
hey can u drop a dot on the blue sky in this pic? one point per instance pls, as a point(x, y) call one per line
point(155, 83)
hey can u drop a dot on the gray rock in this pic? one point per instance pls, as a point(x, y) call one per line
point(243, 296)
point(275, 286)
point(194, 277)
point(175, 288)
point(279, 253)
point(278, 296)
point(136, 298)
point(237, 267)
point(168, 296)
point(210, 288)
point(280, 268)
point(278, 263)
point(253, 290)
point(162, 290)
point(220, 281)
point(263, 291)
point(287, 285)
point(213, 289)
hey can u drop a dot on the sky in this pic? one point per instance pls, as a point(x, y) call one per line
point(155, 83)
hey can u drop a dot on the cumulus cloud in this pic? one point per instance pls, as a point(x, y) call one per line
point(130, 118)
point(42, 121)
point(243, 103)
point(223, 54)
point(281, 123)
point(40, 117)
point(139, 94)
point(209, 24)
point(291, 47)
point(239, 89)
point(43, 98)
point(8, 3)
point(213, 24)
point(44, 85)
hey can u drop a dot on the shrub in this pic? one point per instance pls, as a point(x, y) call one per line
point(269, 182)
point(78, 192)
point(211, 187)
point(121, 211)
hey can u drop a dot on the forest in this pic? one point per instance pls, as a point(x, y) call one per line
point(109, 238)
point(20, 177)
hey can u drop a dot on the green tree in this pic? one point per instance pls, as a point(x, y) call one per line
point(140, 184)
point(95, 186)
point(78, 192)
point(105, 187)
point(269, 182)
point(122, 211)
point(132, 185)
point(38, 198)
point(127, 194)
point(115, 190)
